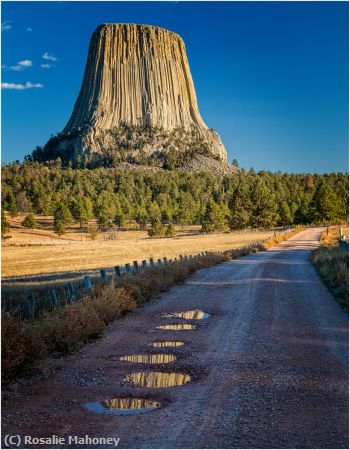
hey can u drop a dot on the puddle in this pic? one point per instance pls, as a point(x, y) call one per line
point(167, 344)
point(177, 326)
point(149, 359)
point(121, 406)
point(158, 379)
point(195, 314)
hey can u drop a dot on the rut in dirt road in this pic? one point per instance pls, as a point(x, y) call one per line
point(266, 369)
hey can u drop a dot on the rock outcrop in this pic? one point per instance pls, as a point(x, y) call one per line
point(137, 97)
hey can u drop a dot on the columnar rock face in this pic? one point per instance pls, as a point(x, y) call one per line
point(137, 77)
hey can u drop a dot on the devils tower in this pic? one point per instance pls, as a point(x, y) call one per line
point(137, 98)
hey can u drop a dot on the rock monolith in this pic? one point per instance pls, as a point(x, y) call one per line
point(137, 98)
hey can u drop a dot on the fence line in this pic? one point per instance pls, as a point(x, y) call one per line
point(75, 291)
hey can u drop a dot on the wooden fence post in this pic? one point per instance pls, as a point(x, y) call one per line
point(87, 282)
point(31, 303)
point(103, 273)
point(144, 264)
point(159, 262)
point(53, 296)
point(151, 261)
point(136, 265)
point(117, 271)
point(70, 291)
point(127, 267)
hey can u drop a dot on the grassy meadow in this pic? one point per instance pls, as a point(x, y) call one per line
point(40, 251)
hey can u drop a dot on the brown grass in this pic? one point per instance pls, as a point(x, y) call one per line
point(269, 243)
point(332, 264)
point(53, 255)
point(331, 235)
point(67, 328)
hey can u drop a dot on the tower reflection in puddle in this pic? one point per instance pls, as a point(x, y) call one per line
point(149, 359)
point(123, 406)
point(158, 379)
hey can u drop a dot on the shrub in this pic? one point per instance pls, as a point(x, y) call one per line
point(21, 344)
point(29, 222)
point(110, 303)
point(68, 328)
point(93, 232)
point(156, 229)
point(170, 230)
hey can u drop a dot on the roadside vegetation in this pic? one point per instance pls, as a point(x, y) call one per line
point(65, 329)
point(268, 243)
point(332, 264)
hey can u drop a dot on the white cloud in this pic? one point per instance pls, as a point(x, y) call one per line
point(25, 63)
point(21, 87)
point(16, 68)
point(49, 57)
point(46, 66)
point(29, 29)
point(6, 25)
point(21, 65)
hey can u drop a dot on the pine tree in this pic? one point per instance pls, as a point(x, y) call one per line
point(264, 213)
point(240, 208)
point(105, 208)
point(5, 225)
point(286, 217)
point(119, 217)
point(154, 213)
point(29, 222)
point(185, 214)
point(23, 204)
point(214, 218)
point(170, 230)
point(82, 210)
point(235, 163)
point(325, 205)
point(157, 229)
point(62, 219)
point(11, 201)
point(141, 217)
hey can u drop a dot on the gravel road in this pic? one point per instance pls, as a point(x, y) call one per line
point(269, 366)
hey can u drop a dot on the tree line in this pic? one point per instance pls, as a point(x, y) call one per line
point(162, 198)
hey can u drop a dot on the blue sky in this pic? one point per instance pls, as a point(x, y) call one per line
point(270, 77)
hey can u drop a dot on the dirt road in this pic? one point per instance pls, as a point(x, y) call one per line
point(268, 367)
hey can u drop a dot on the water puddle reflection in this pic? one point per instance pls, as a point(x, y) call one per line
point(158, 379)
point(149, 359)
point(196, 314)
point(167, 344)
point(121, 406)
point(177, 326)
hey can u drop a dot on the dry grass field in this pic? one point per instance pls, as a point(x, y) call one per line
point(40, 251)
point(332, 263)
point(331, 235)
